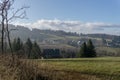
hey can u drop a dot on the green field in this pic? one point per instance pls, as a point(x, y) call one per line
point(103, 68)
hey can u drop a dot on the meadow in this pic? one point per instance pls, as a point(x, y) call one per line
point(102, 68)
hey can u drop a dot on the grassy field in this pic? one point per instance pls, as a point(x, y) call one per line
point(104, 68)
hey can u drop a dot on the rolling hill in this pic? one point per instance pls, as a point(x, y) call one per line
point(62, 37)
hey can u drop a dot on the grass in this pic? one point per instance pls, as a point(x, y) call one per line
point(100, 67)
point(18, 70)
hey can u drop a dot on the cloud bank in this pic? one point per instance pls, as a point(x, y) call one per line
point(74, 26)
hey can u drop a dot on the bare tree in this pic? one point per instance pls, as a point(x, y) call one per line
point(6, 8)
point(2, 6)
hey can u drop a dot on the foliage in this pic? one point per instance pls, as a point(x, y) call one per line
point(90, 49)
point(32, 50)
point(28, 47)
point(87, 50)
point(17, 45)
point(83, 50)
point(36, 52)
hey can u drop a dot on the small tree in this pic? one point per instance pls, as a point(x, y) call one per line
point(90, 49)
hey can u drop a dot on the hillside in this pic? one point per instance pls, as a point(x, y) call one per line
point(62, 37)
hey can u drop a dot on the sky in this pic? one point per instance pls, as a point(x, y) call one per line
point(82, 16)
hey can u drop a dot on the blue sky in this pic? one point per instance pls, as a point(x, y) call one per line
point(101, 16)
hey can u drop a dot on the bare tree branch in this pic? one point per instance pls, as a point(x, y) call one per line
point(16, 14)
point(5, 7)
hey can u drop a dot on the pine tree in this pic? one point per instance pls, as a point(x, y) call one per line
point(87, 50)
point(90, 49)
point(17, 45)
point(28, 47)
point(83, 50)
point(36, 52)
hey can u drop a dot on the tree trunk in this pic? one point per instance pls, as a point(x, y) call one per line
point(2, 37)
point(8, 36)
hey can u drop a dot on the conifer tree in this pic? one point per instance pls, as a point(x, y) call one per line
point(28, 47)
point(90, 49)
point(87, 50)
point(36, 52)
point(17, 45)
point(83, 50)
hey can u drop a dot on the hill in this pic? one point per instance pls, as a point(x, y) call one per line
point(61, 37)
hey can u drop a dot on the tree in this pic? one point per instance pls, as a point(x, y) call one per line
point(36, 52)
point(8, 14)
point(17, 45)
point(83, 50)
point(87, 50)
point(90, 49)
point(28, 46)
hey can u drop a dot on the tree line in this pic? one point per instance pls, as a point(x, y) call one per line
point(28, 49)
point(31, 50)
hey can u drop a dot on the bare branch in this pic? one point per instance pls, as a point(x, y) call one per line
point(5, 6)
point(16, 14)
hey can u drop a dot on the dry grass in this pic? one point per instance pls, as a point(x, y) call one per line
point(17, 69)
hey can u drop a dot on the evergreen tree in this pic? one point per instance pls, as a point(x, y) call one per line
point(36, 52)
point(17, 45)
point(90, 49)
point(28, 47)
point(83, 50)
point(87, 50)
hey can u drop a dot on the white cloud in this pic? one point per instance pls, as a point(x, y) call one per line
point(73, 26)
